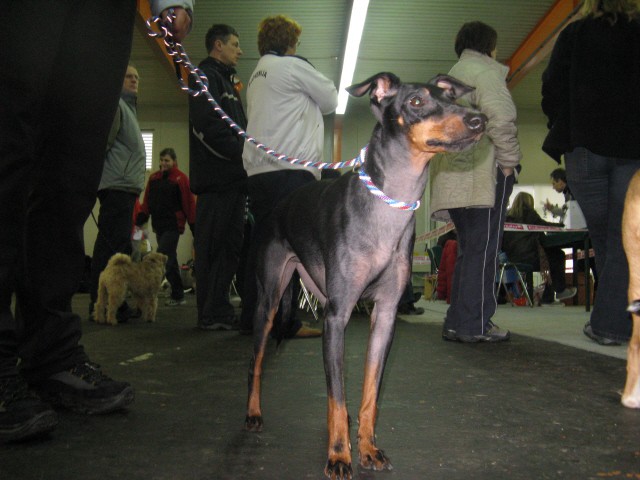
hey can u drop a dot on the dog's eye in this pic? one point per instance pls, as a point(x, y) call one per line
point(416, 101)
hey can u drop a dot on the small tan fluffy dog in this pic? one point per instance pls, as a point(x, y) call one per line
point(121, 275)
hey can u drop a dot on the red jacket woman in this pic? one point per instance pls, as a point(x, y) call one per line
point(170, 204)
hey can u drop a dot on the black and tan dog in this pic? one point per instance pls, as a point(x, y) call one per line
point(348, 244)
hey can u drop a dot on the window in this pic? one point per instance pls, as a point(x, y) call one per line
point(147, 138)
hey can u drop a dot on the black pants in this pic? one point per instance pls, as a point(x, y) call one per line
point(168, 245)
point(115, 223)
point(218, 240)
point(473, 299)
point(265, 191)
point(62, 67)
point(557, 261)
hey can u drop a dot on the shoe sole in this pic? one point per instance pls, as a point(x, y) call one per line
point(482, 338)
point(605, 342)
point(218, 327)
point(38, 425)
point(91, 406)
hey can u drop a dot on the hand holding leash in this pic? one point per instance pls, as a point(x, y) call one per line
point(177, 21)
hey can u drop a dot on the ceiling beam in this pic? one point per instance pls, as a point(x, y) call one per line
point(541, 39)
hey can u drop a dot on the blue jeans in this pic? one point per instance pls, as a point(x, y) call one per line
point(600, 184)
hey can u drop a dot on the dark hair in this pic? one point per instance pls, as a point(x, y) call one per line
point(170, 152)
point(559, 174)
point(476, 36)
point(219, 31)
point(277, 34)
point(610, 9)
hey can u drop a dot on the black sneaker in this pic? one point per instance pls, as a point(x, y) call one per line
point(493, 334)
point(607, 342)
point(449, 334)
point(22, 414)
point(410, 309)
point(85, 389)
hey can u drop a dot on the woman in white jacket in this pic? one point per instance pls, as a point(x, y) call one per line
point(286, 100)
point(472, 188)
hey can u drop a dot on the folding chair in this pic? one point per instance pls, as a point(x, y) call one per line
point(307, 301)
point(512, 273)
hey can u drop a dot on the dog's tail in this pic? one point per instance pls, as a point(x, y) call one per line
point(119, 259)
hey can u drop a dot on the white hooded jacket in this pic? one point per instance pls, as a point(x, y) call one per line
point(286, 99)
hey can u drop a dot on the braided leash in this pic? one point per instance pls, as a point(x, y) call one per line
point(201, 87)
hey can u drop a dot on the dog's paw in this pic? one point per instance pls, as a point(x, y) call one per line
point(253, 423)
point(375, 459)
point(338, 470)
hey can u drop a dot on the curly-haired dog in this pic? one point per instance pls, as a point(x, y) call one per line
point(141, 279)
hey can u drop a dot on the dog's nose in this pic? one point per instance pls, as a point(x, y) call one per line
point(475, 121)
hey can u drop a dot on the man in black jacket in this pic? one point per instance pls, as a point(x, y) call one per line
point(218, 179)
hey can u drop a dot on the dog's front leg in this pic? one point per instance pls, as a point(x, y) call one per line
point(380, 337)
point(631, 241)
point(339, 449)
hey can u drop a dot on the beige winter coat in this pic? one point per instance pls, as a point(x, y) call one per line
point(468, 179)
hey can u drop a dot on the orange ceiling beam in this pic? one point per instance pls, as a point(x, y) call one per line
point(540, 40)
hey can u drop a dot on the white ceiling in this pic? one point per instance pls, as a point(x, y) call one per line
point(411, 38)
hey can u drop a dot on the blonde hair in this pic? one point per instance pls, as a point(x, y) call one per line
point(277, 34)
point(522, 203)
point(611, 8)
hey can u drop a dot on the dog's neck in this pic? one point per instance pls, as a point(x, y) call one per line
point(401, 176)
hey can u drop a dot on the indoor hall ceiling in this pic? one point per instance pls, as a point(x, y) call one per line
point(411, 38)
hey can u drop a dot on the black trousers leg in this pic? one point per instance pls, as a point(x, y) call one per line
point(55, 112)
point(115, 223)
point(218, 239)
point(168, 245)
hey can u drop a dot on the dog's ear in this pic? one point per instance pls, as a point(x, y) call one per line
point(381, 85)
point(452, 87)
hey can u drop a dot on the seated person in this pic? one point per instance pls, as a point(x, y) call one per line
point(524, 247)
point(559, 184)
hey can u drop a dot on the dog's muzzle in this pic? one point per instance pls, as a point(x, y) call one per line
point(476, 122)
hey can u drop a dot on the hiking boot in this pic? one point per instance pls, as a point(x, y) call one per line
point(85, 389)
point(22, 414)
point(493, 334)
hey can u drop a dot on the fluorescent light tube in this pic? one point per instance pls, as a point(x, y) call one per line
point(356, 25)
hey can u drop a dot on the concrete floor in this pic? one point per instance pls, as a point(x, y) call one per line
point(544, 405)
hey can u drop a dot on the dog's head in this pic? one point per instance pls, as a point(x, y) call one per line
point(426, 112)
